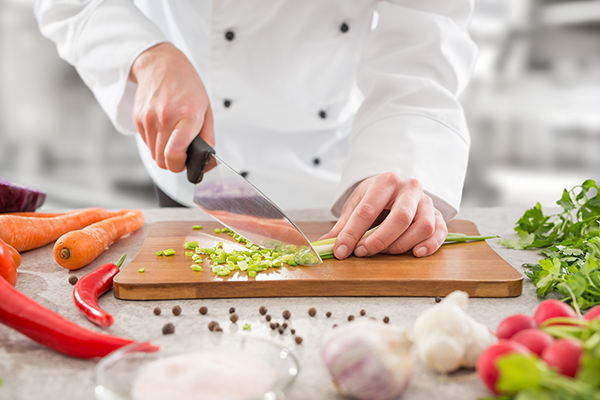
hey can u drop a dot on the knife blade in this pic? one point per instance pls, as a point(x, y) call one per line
point(236, 203)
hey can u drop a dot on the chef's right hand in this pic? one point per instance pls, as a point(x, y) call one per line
point(171, 105)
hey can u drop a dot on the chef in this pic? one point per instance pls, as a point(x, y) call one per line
point(344, 104)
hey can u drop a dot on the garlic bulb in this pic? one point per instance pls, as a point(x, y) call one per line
point(368, 360)
point(447, 338)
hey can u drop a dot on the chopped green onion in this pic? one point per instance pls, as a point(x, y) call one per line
point(167, 252)
point(141, 270)
point(191, 245)
point(189, 254)
point(196, 268)
point(197, 227)
point(247, 326)
point(217, 230)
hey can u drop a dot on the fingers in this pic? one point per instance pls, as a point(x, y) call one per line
point(406, 214)
point(424, 227)
point(431, 244)
point(375, 196)
point(175, 151)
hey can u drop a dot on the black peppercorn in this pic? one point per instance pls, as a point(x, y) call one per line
point(312, 311)
point(233, 318)
point(293, 331)
point(203, 310)
point(284, 325)
point(281, 330)
point(286, 314)
point(157, 310)
point(268, 317)
point(334, 326)
point(438, 299)
point(168, 329)
point(386, 319)
point(212, 325)
point(231, 310)
point(73, 279)
point(328, 314)
point(298, 339)
point(218, 329)
point(362, 312)
point(351, 318)
point(262, 310)
point(273, 326)
point(176, 310)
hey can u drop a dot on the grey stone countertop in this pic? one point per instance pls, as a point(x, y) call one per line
point(31, 371)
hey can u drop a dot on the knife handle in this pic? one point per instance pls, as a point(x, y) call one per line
point(198, 154)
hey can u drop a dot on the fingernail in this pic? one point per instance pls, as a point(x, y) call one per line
point(360, 251)
point(341, 251)
point(420, 252)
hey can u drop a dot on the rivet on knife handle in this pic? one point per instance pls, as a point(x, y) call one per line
point(198, 154)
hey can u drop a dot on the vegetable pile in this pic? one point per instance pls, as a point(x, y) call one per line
point(553, 354)
point(571, 245)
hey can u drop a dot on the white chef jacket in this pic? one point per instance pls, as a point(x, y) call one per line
point(309, 97)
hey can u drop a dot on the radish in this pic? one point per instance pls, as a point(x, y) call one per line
point(487, 368)
point(593, 313)
point(534, 339)
point(564, 355)
point(513, 324)
point(552, 308)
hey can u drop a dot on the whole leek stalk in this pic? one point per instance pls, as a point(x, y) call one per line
point(325, 247)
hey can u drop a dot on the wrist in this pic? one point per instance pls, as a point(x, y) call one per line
point(147, 59)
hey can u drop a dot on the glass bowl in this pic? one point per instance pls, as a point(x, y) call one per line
point(212, 365)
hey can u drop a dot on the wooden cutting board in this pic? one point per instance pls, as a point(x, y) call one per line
point(472, 267)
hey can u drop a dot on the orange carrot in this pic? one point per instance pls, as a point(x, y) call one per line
point(37, 214)
point(78, 248)
point(27, 233)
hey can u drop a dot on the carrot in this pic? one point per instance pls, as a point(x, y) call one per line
point(37, 214)
point(78, 248)
point(27, 233)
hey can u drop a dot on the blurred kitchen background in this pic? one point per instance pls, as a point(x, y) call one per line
point(533, 108)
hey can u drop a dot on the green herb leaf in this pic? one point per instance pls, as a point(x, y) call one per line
point(517, 372)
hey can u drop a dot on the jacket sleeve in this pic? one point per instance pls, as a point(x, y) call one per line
point(101, 39)
point(413, 67)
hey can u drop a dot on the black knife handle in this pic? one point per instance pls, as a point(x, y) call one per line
point(198, 154)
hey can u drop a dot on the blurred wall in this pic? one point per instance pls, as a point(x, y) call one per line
point(533, 108)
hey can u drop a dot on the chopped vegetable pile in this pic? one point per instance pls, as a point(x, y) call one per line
point(571, 244)
point(252, 260)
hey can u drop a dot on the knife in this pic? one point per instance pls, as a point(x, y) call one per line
point(233, 201)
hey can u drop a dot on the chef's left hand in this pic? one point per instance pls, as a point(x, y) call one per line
point(412, 223)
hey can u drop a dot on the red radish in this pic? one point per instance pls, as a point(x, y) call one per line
point(513, 324)
point(534, 339)
point(552, 308)
point(564, 355)
point(593, 313)
point(486, 365)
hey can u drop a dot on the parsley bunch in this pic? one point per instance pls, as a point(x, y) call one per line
point(571, 244)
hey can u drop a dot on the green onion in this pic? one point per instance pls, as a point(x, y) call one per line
point(196, 268)
point(247, 326)
point(217, 230)
point(196, 227)
point(141, 270)
point(191, 245)
point(167, 252)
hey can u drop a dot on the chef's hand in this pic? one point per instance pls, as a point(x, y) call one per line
point(171, 105)
point(412, 222)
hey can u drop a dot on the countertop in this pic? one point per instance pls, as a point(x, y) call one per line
point(31, 371)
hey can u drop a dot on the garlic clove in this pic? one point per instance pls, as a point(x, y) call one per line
point(368, 360)
point(447, 338)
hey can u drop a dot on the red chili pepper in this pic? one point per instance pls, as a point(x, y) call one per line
point(51, 329)
point(93, 285)
point(8, 265)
